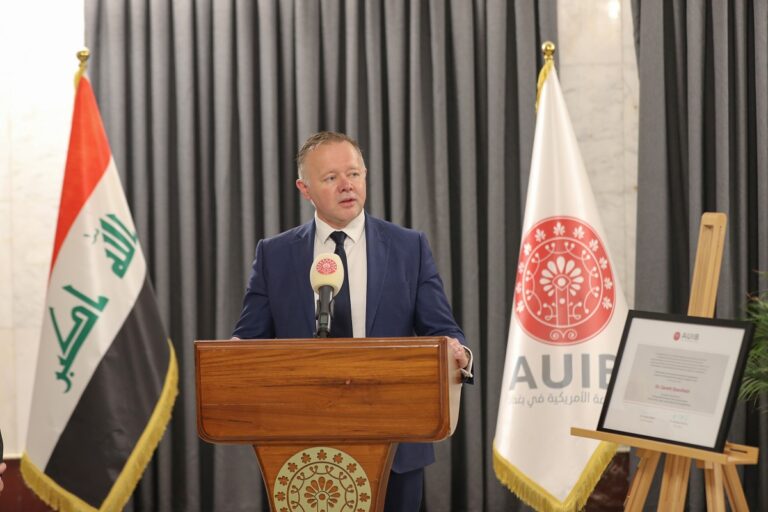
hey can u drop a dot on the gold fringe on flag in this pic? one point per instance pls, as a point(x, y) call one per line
point(537, 497)
point(60, 499)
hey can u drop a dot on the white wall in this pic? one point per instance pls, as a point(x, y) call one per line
point(41, 37)
point(598, 74)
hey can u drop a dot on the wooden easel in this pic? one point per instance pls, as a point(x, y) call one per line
point(719, 468)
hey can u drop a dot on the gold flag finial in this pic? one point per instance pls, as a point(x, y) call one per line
point(82, 56)
point(548, 50)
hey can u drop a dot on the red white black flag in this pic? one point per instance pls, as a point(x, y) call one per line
point(106, 374)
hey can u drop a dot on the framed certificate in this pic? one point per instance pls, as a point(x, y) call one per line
point(676, 379)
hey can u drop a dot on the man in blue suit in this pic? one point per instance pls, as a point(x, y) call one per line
point(391, 289)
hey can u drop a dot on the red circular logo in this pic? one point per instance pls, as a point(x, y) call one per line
point(326, 266)
point(564, 292)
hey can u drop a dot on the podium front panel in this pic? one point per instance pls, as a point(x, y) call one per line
point(274, 391)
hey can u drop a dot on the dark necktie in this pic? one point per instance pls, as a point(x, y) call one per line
point(341, 325)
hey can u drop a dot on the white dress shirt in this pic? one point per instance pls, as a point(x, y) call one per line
point(357, 264)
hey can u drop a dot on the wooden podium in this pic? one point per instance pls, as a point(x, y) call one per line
point(325, 415)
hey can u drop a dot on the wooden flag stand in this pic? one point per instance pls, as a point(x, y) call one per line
point(719, 468)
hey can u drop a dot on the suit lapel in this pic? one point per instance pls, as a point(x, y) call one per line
point(377, 252)
point(302, 251)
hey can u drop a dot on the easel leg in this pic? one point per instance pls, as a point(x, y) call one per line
point(638, 491)
point(713, 477)
point(674, 483)
point(733, 487)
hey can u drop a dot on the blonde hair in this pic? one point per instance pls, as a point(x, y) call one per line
point(320, 138)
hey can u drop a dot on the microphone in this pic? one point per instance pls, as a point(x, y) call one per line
point(326, 277)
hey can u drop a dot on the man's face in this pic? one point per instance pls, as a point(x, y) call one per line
point(334, 181)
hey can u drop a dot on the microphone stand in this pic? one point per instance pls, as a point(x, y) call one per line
point(324, 311)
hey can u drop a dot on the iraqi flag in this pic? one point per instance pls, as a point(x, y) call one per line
point(567, 320)
point(106, 372)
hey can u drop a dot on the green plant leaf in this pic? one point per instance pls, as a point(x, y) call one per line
point(755, 381)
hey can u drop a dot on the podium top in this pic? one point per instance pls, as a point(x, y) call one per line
point(342, 390)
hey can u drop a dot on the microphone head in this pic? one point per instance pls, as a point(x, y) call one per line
point(327, 270)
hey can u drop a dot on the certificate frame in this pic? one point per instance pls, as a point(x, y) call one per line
point(676, 379)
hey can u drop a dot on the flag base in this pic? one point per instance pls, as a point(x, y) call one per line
point(611, 491)
point(16, 496)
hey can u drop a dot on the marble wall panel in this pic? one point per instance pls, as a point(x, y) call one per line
point(599, 82)
point(6, 290)
point(37, 112)
point(8, 414)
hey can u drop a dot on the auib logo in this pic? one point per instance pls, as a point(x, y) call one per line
point(685, 336)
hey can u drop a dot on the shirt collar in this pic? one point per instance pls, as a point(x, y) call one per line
point(353, 230)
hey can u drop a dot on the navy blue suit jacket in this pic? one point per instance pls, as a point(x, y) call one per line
point(405, 297)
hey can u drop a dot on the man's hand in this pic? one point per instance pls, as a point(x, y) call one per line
point(458, 352)
point(2, 470)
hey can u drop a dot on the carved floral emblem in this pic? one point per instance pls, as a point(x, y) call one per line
point(321, 490)
point(322, 479)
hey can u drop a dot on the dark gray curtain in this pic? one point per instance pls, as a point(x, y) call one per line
point(205, 104)
point(703, 146)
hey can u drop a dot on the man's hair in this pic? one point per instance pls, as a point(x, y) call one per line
point(318, 139)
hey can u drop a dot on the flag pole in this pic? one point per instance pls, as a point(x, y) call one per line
point(548, 50)
point(82, 56)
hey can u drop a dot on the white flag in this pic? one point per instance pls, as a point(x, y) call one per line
point(567, 320)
